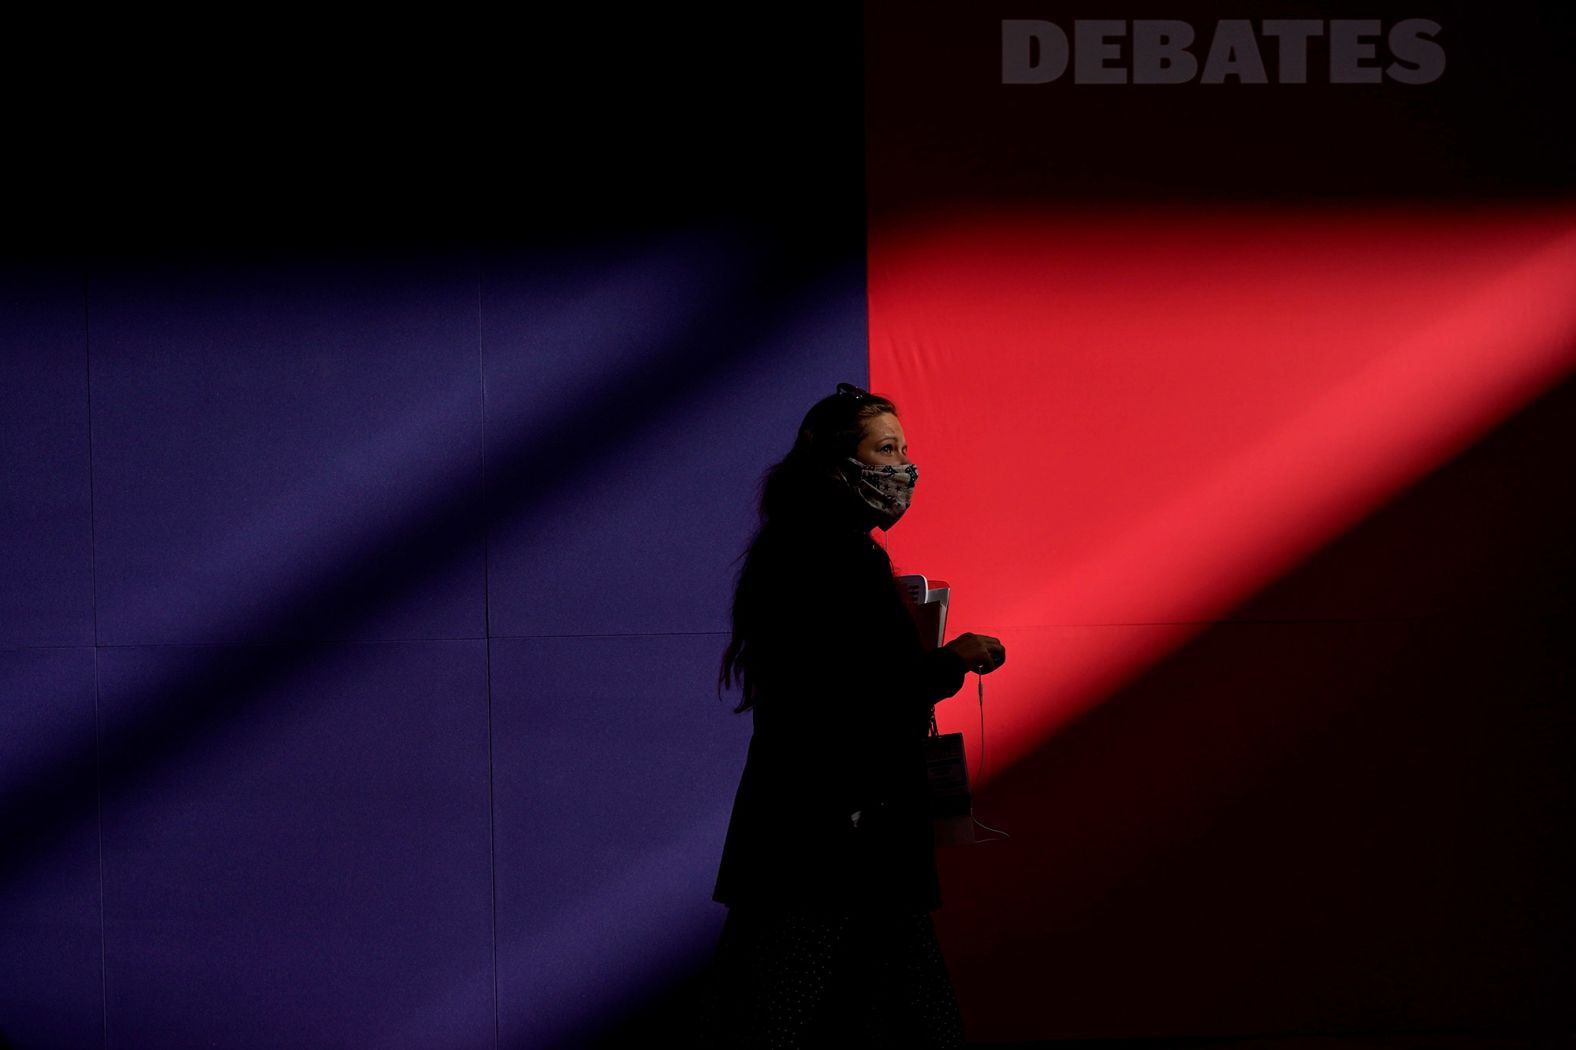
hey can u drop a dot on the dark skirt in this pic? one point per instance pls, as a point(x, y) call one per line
point(788, 977)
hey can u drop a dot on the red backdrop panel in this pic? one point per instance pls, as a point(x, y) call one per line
point(1279, 735)
point(1143, 417)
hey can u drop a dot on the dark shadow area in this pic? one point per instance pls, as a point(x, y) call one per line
point(677, 1015)
point(453, 129)
point(1339, 817)
point(945, 132)
point(1344, 809)
point(1359, 1041)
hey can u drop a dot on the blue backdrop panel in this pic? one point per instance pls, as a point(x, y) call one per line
point(50, 987)
point(635, 393)
point(46, 583)
point(310, 867)
point(287, 448)
point(615, 765)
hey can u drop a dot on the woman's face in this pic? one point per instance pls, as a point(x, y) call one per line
point(883, 444)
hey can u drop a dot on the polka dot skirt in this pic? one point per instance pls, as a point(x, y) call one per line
point(787, 978)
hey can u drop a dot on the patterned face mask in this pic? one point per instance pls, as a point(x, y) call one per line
point(885, 488)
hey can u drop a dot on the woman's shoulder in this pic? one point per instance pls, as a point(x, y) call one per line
point(813, 534)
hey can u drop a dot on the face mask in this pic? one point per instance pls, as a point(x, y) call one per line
point(886, 489)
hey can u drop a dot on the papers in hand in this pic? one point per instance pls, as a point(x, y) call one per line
point(927, 603)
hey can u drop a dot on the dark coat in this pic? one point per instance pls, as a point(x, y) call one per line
point(831, 809)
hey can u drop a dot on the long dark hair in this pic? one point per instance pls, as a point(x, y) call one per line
point(796, 493)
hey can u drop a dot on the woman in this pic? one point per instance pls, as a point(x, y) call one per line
point(829, 867)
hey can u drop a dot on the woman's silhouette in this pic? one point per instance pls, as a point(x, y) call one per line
point(829, 870)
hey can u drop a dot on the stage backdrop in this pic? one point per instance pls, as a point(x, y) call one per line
point(381, 414)
point(1236, 356)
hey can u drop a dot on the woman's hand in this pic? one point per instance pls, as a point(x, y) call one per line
point(981, 653)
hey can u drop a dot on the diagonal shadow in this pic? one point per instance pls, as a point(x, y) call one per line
point(532, 461)
point(1341, 805)
point(1166, 785)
